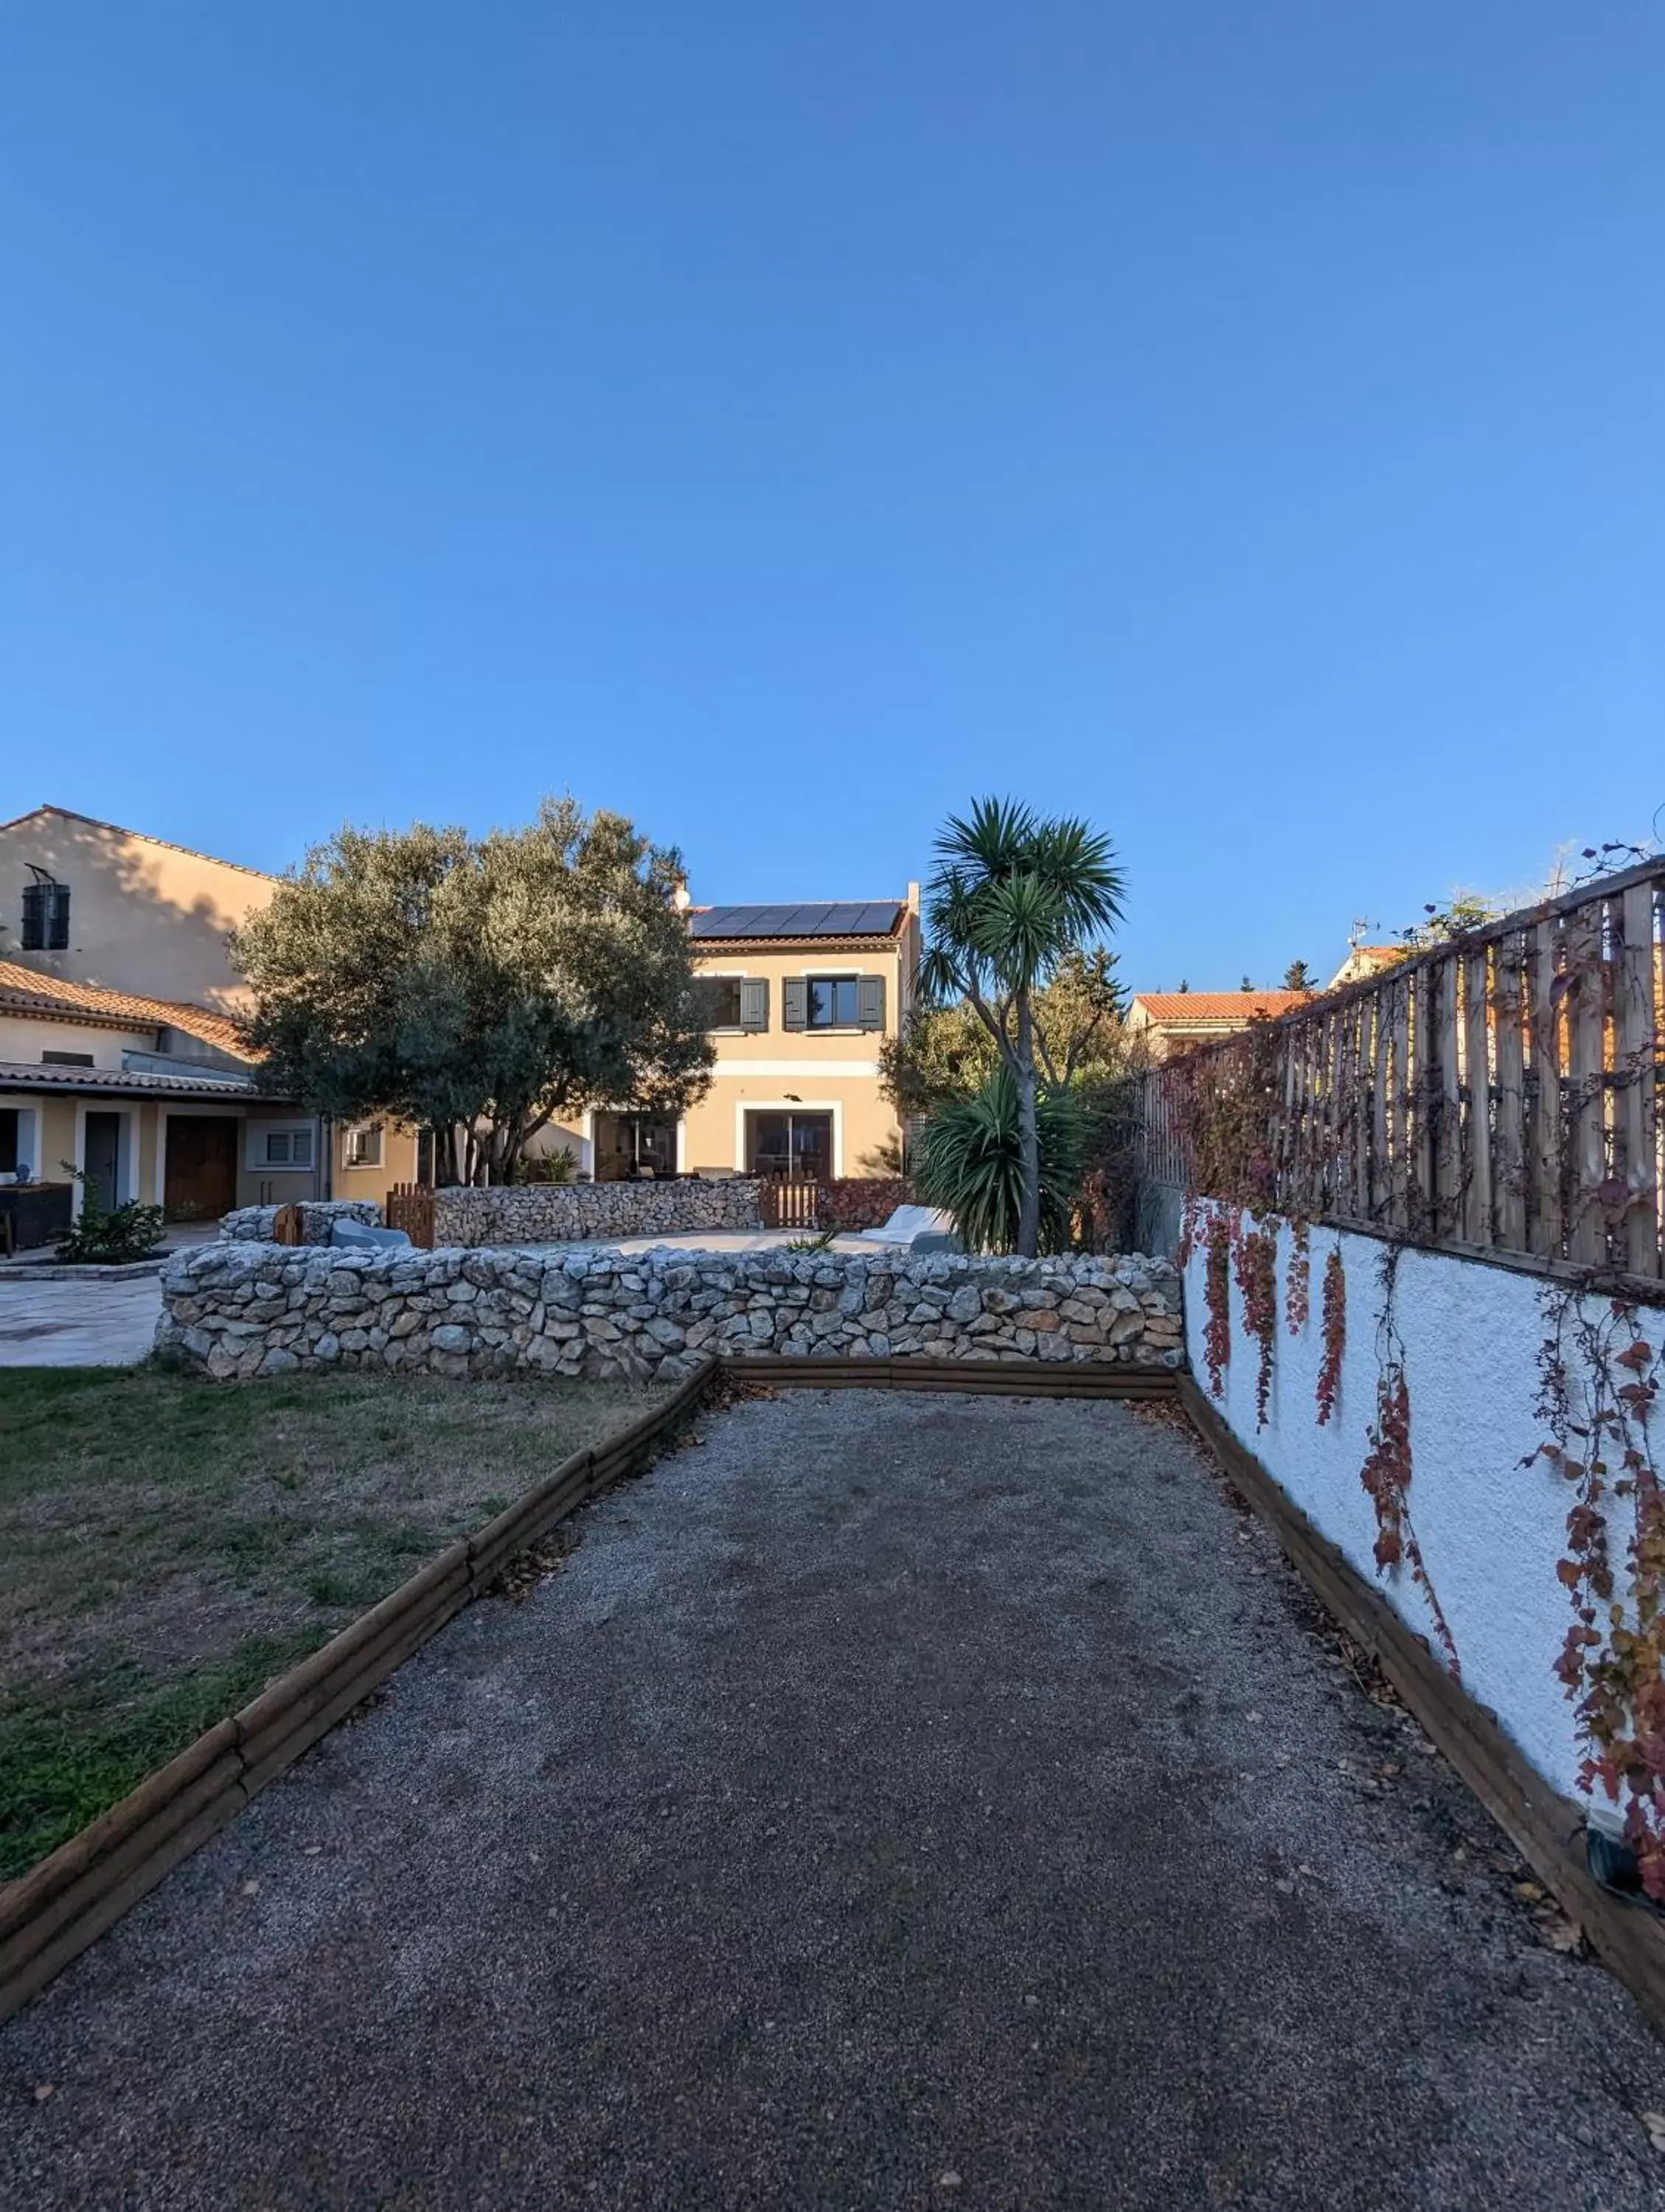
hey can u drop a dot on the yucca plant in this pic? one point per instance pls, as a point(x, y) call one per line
point(1013, 896)
point(968, 1160)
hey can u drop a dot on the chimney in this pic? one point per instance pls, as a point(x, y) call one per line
point(679, 897)
point(913, 898)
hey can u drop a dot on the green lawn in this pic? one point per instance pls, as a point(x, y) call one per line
point(168, 1545)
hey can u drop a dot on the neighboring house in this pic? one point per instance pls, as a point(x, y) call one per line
point(119, 1049)
point(799, 1000)
point(1363, 961)
point(1173, 1021)
point(152, 1099)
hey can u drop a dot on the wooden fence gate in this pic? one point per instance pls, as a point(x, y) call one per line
point(787, 1202)
point(410, 1207)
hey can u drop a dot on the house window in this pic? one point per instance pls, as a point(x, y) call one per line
point(734, 1002)
point(285, 1146)
point(363, 1147)
point(46, 914)
point(719, 998)
point(67, 1060)
point(11, 1120)
point(833, 1002)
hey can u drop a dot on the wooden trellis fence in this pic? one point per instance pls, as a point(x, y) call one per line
point(1498, 1094)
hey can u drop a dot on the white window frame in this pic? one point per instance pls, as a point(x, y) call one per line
point(257, 1151)
point(833, 1106)
point(350, 1160)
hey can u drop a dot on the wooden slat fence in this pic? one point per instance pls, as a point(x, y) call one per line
point(1498, 1094)
point(410, 1207)
point(789, 1202)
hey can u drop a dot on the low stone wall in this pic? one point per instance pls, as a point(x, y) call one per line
point(562, 1213)
point(856, 1202)
point(253, 1224)
point(245, 1310)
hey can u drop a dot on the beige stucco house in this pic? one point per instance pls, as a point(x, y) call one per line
point(120, 1052)
point(799, 1000)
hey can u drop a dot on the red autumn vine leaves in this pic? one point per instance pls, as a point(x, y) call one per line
point(1248, 1249)
point(1335, 1333)
point(1613, 1660)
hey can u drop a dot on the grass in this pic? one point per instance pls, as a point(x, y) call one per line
point(168, 1545)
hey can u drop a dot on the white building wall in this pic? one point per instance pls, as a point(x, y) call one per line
point(1491, 1530)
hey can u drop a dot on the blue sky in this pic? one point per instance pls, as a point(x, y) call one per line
point(1244, 424)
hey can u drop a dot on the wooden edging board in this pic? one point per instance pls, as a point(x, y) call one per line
point(60, 1906)
point(1544, 1826)
point(1008, 1378)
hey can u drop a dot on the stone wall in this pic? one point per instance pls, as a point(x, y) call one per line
point(561, 1213)
point(857, 1202)
point(251, 1224)
point(245, 1309)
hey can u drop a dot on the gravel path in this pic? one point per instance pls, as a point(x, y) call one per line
point(894, 1800)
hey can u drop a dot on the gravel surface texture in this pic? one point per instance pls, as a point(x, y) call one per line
point(894, 1800)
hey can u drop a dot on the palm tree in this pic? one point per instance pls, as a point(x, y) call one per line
point(1013, 893)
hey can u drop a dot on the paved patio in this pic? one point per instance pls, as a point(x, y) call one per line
point(77, 1324)
point(894, 1800)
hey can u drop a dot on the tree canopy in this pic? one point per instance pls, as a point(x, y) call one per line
point(479, 988)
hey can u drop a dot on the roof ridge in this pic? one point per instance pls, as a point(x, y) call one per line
point(96, 822)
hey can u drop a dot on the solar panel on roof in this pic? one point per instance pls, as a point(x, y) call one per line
point(844, 918)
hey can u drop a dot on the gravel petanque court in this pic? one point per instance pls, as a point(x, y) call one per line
point(894, 1800)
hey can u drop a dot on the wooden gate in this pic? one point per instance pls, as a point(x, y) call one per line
point(788, 1202)
point(410, 1207)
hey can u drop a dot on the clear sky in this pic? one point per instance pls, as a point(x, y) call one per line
point(1241, 421)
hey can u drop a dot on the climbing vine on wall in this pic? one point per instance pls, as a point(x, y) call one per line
point(1386, 1473)
point(1217, 1297)
point(1334, 1332)
point(1613, 1663)
point(1298, 1290)
point(1256, 1256)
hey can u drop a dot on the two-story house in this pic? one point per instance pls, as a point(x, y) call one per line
point(799, 1000)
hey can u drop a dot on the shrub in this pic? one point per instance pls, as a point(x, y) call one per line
point(108, 1238)
point(969, 1158)
point(560, 1166)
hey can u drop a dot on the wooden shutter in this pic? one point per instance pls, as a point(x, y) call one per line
point(754, 1002)
point(870, 998)
point(795, 1003)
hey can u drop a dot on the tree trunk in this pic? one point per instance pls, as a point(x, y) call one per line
point(1029, 1128)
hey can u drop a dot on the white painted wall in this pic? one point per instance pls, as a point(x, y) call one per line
point(1491, 1530)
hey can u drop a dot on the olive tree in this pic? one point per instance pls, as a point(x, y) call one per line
point(479, 988)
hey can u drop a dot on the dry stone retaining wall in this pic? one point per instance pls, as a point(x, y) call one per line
point(239, 1309)
point(253, 1224)
point(561, 1213)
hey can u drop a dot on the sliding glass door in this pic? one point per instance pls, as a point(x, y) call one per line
point(790, 1144)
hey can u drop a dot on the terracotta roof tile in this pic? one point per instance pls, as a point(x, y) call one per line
point(123, 1082)
point(50, 994)
point(1168, 1006)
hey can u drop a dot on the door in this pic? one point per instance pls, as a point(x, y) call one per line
point(199, 1179)
point(632, 1146)
point(101, 1161)
point(795, 1144)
